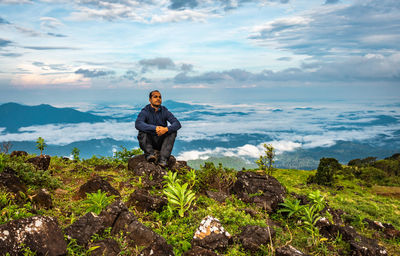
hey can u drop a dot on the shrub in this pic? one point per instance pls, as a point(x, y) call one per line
point(96, 202)
point(265, 162)
point(362, 162)
point(75, 153)
point(326, 171)
point(124, 154)
point(40, 145)
point(391, 167)
point(2, 162)
point(372, 174)
point(211, 177)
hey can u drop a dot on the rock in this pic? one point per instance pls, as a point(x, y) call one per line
point(113, 212)
point(199, 251)
point(181, 167)
point(288, 250)
point(108, 247)
point(303, 198)
point(376, 225)
point(102, 167)
point(11, 182)
point(359, 245)
point(39, 233)
point(219, 196)
point(41, 162)
point(123, 221)
point(211, 235)
point(159, 247)
point(86, 226)
point(42, 198)
point(18, 153)
point(144, 201)
point(264, 191)
point(252, 237)
point(94, 184)
point(388, 229)
point(152, 173)
point(391, 233)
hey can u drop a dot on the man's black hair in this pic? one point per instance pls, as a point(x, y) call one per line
point(151, 93)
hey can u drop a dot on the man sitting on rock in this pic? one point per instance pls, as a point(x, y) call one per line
point(154, 132)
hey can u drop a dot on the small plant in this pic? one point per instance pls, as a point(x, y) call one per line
point(124, 154)
point(317, 199)
point(191, 178)
point(96, 202)
point(2, 162)
point(291, 207)
point(265, 162)
point(310, 217)
point(40, 145)
point(179, 196)
point(75, 153)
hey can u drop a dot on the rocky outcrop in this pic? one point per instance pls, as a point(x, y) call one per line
point(388, 229)
point(41, 162)
point(94, 184)
point(86, 226)
point(211, 235)
point(252, 237)
point(219, 196)
point(11, 182)
point(144, 201)
point(359, 245)
point(264, 191)
point(40, 234)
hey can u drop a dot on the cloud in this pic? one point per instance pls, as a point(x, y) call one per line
point(4, 21)
point(160, 63)
point(4, 42)
point(56, 35)
point(45, 66)
point(182, 4)
point(10, 54)
point(28, 32)
point(339, 30)
point(130, 75)
point(45, 48)
point(331, 1)
point(16, 1)
point(50, 22)
point(93, 73)
point(284, 59)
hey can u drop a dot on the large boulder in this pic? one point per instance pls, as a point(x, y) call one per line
point(40, 234)
point(144, 201)
point(41, 162)
point(152, 174)
point(86, 226)
point(211, 235)
point(264, 191)
point(11, 182)
point(252, 237)
point(96, 183)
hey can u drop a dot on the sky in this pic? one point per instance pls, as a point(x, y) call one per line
point(116, 51)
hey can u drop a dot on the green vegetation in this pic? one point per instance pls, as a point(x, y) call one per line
point(40, 144)
point(75, 153)
point(265, 162)
point(188, 204)
point(124, 155)
point(327, 169)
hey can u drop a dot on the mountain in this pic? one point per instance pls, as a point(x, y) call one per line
point(14, 116)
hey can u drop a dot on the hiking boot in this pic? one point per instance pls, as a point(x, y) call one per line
point(163, 163)
point(151, 158)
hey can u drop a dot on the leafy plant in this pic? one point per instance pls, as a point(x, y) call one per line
point(75, 153)
point(310, 217)
point(265, 162)
point(317, 199)
point(326, 172)
point(96, 202)
point(2, 162)
point(191, 178)
point(40, 144)
point(179, 196)
point(291, 206)
point(124, 154)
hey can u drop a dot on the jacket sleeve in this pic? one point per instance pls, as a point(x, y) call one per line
point(175, 125)
point(141, 124)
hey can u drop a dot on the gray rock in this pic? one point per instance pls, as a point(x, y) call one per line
point(199, 251)
point(11, 182)
point(211, 235)
point(94, 184)
point(42, 199)
point(108, 247)
point(252, 237)
point(264, 191)
point(86, 226)
point(144, 201)
point(218, 196)
point(39, 233)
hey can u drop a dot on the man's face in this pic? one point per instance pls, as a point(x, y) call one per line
point(155, 99)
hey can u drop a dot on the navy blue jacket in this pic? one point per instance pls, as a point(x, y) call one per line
point(148, 119)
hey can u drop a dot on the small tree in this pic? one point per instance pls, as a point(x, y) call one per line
point(40, 145)
point(75, 153)
point(326, 171)
point(265, 162)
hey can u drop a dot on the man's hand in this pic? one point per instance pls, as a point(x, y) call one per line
point(160, 130)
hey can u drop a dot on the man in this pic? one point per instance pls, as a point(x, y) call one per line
point(154, 132)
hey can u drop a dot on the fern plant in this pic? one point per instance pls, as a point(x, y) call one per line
point(291, 207)
point(96, 202)
point(179, 197)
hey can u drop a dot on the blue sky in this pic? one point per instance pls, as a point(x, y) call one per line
point(55, 51)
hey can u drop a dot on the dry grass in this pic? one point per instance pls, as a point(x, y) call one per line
point(387, 191)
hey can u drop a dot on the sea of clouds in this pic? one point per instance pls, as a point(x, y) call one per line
point(286, 125)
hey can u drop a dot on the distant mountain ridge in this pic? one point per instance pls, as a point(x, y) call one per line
point(14, 116)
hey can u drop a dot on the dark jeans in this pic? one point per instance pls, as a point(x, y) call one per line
point(149, 142)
